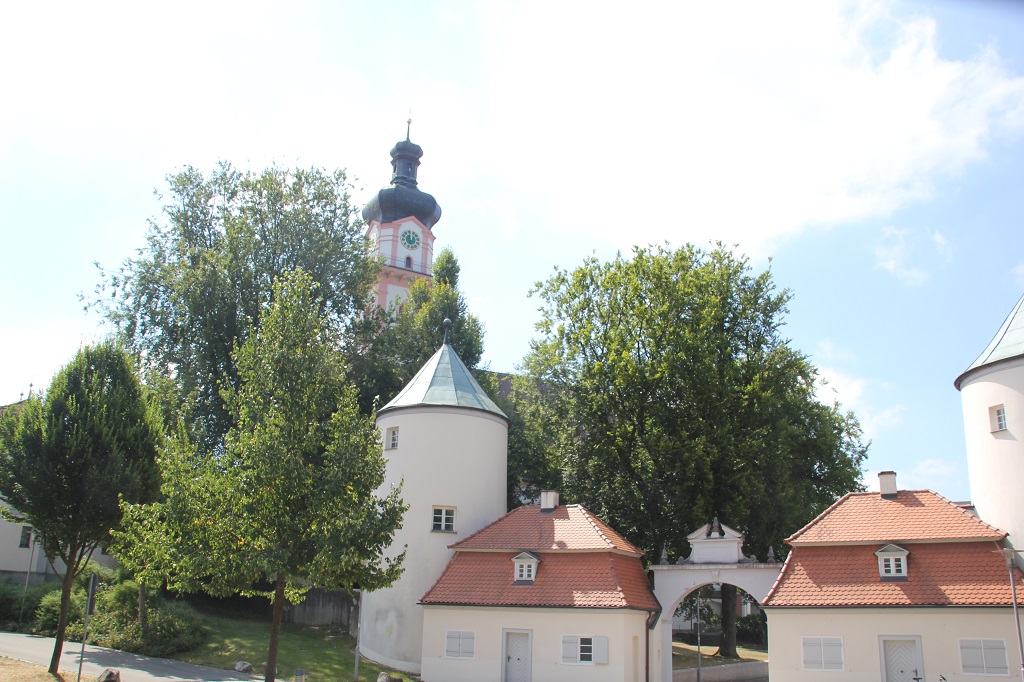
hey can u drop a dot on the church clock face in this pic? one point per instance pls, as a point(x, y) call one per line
point(410, 240)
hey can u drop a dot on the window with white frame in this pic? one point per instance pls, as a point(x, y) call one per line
point(892, 563)
point(391, 438)
point(26, 536)
point(983, 657)
point(444, 520)
point(997, 417)
point(525, 570)
point(459, 644)
point(584, 650)
point(822, 653)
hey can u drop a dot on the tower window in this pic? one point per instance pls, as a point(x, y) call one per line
point(391, 439)
point(408, 262)
point(26, 536)
point(444, 520)
point(997, 417)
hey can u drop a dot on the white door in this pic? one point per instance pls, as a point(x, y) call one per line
point(517, 657)
point(902, 660)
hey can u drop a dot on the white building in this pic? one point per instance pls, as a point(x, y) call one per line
point(992, 393)
point(446, 444)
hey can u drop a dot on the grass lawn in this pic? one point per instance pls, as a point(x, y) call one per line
point(685, 655)
point(16, 671)
point(324, 653)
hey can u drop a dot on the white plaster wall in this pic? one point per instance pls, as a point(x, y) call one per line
point(995, 460)
point(625, 630)
point(447, 457)
point(15, 559)
point(939, 628)
point(393, 286)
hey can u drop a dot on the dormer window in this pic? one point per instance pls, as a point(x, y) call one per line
point(892, 563)
point(525, 568)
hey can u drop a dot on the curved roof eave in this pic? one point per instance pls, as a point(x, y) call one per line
point(1008, 343)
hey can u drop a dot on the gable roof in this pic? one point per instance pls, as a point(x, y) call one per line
point(563, 580)
point(939, 574)
point(566, 528)
point(912, 516)
point(444, 380)
point(1006, 344)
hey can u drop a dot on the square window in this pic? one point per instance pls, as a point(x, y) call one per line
point(997, 418)
point(584, 649)
point(444, 520)
point(822, 653)
point(460, 644)
point(391, 439)
point(983, 657)
point(26, 536)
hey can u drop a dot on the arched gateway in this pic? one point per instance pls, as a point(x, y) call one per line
point(717, 557)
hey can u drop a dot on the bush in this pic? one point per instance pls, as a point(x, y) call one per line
point(48, 613)
point(751, 629)
point(172, 628)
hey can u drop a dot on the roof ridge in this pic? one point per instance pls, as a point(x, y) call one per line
point(455, 545)
point(610, 558)
point(589, 516)
point(778, 580)
point(969, 515)
point(819, 517)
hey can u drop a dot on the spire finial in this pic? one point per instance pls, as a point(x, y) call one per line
point(447, 331)
point(408, 125)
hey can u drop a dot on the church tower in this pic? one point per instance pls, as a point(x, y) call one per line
point(992, 394)
point(399, 221)
point(446, 444)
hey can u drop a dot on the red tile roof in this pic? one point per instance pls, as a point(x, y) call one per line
point(601, 579)
point(939, 574)
point(567, 528)
point(914, 515)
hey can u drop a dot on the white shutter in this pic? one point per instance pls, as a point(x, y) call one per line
point(468, 648)
point(451, 647)
point(994, 651)
point(570, 648)
point(831, 653)
point(812, 653)
point(600, 649)
point(971, 658)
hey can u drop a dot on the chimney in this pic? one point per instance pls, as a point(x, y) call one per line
point(887, 484)
point(548, 501)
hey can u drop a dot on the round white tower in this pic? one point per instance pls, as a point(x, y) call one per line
point(446, 443)
point(992, 394)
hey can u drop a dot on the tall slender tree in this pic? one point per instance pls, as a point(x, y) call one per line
point(290, 503)
point(67, 457)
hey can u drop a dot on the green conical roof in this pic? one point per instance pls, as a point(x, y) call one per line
point(444, 381)
point(1007, 343)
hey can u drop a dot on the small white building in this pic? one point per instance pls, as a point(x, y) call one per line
point(446, 444)
point(546, 593)
point(898, 586)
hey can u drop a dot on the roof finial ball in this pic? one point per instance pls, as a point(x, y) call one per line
point(447, 331)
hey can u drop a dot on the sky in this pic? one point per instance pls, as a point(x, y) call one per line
point(871, 154)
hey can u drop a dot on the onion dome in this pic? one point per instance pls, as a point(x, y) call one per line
point(403, 199)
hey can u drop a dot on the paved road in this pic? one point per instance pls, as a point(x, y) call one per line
point(134, 668)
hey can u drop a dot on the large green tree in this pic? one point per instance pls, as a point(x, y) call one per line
point(67, 457)
point(205, 274)
point(676, 398)
point(410, 333)
point(290, 503)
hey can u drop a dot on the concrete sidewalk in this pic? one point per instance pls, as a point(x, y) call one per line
point(133, 667)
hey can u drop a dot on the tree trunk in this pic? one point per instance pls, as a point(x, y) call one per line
point(143, 610)
point(727, 649)
point(62, 621)
point(275, 628)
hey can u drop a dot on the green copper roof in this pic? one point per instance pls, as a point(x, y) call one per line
point(1007, 343)
point(446, 381)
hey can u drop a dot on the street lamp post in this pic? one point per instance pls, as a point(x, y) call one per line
point(1008, 555)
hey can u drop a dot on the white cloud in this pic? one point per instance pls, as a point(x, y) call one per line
point(891, 255)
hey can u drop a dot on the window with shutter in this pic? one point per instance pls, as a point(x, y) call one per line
point(983, 657)
point(822, 653)
point(460, 644)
